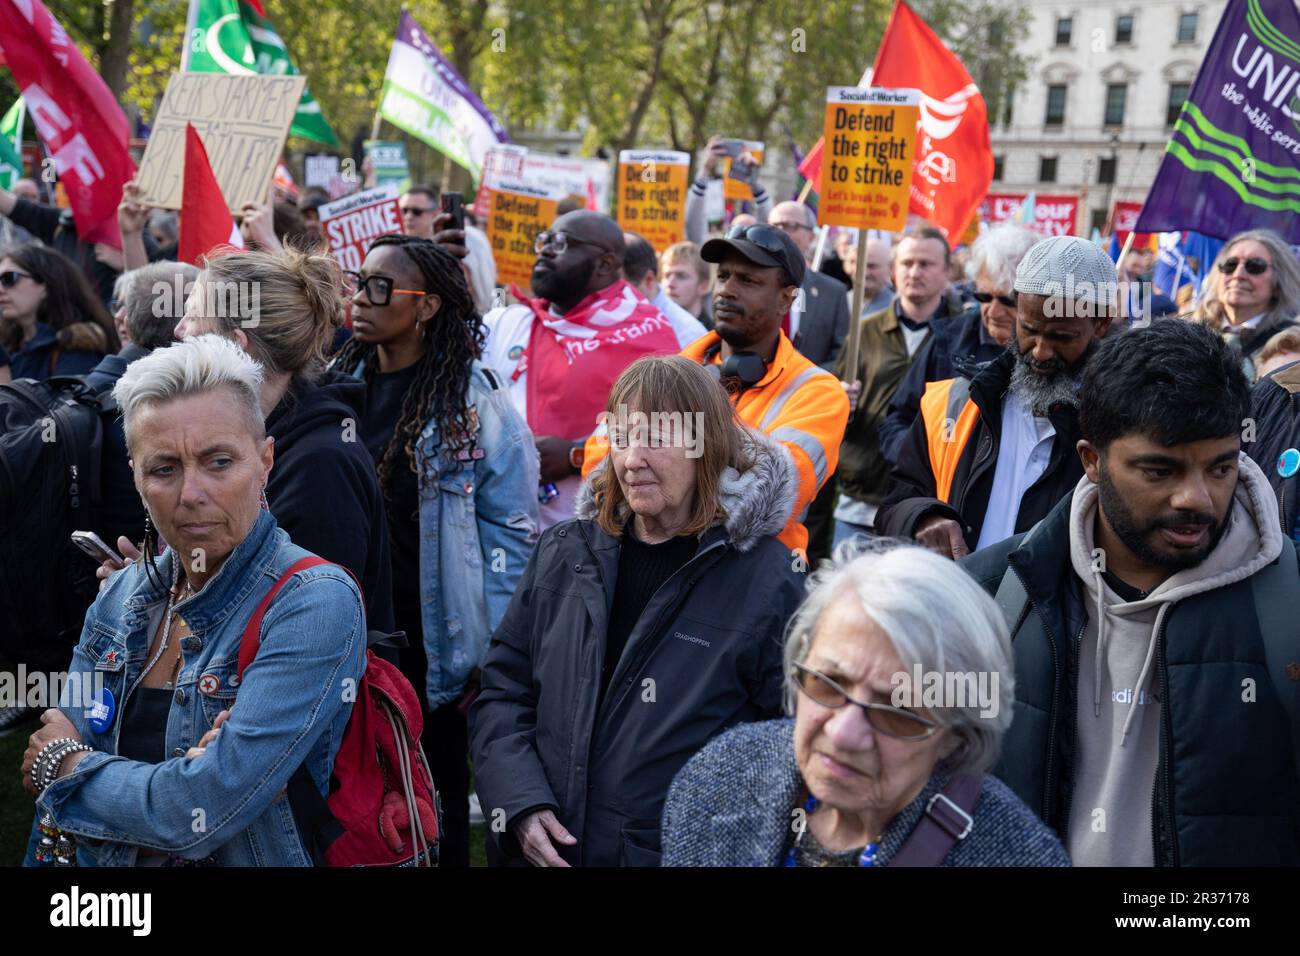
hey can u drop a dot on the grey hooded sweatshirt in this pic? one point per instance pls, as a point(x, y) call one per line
point(1118, 716)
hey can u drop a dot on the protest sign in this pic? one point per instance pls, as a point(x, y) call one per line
point(320, 170)
point(870, 137)
point(502, 162)
point(516, 214)
point(242, 120)
point(1055, 215)
point(740, 168)
point(351, 224)
point(385, 162)
point(651, 197)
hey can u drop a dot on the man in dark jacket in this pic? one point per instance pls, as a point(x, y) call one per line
point(989, 456)
point(1272, 439)
point(823, 321)
point(1152, 626)
point(958, 344)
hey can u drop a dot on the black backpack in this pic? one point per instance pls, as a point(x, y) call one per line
point(51, 442)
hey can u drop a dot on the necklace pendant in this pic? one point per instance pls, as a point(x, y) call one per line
point(868, 856)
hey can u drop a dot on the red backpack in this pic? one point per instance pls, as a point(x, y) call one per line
point(380, 785)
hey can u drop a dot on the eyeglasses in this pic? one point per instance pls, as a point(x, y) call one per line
point(986, 297)
point(889, 720)
point(379, 289)
point(10, 279)
point(787, 226)
point(415, 211)
point(1254, 265)
point(559, 241)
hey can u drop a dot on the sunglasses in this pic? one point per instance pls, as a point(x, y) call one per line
point(415, 211)
point(1254, 265)
point(986, 297)
point(889, 720)
point(560, 241)
point(765, 237)
point(379, 289)
point(13, 277)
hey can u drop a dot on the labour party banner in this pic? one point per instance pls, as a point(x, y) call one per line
point(1233, 161)
point(425, 96)
point(235, 36)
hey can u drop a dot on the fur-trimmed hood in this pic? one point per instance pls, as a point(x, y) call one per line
point(759, 501)
point(83, 337)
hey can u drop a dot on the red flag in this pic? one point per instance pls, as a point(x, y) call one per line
point(76, 116)
point(954, 164)
point(206, 223)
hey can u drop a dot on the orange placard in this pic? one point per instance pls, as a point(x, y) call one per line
point(652, 194)
point(739, 187)
point(870, 139)
point(517, 214)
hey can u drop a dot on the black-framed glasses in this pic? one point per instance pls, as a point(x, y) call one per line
point(379, 289)
point(559, 241)
point(11, 278)
point(889, 720)
point(986, 297)
point(415, 211)
point(1254, 265)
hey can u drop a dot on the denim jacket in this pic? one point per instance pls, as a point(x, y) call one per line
point(292, 707)
point(478, 525)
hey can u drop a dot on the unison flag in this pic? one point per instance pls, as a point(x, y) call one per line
point(1233, 161)
point(954, 163)
point(76, 117)
point(235, 36)
point(425, 96)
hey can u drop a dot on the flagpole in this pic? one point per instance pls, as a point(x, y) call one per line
point(191, 19)
point(446, 173)
point(821, 248)
point(803, 193)
point(855, 316)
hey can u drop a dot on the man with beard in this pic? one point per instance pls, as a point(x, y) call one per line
point(1155, 699)
point(559, 353)
point(989, 456)
point(775, 389)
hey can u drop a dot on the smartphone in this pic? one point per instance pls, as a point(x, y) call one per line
point(94, 546)
point(740, 170)
point(454, 203)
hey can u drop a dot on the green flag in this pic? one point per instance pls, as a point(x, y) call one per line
point(11, 144)
point(229, 36)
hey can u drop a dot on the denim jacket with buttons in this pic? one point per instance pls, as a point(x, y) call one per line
point(478, 524)
point(290, 708)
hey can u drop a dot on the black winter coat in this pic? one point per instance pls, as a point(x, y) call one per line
point(1275, 409)
point(122, 511)
point(1226, 790)
point(912, 496)
point(323, 489)
point(705, 656)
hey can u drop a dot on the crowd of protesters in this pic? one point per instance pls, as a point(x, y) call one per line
point(653, 558)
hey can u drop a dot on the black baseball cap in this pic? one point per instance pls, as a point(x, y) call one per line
point(762, 245)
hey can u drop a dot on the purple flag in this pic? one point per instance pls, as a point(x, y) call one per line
point(1233, 161)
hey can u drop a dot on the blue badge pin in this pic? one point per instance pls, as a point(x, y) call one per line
point(1288, 463)
point(100, 714)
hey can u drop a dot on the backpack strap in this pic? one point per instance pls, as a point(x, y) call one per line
point(252, 639)
point(1274, 588)
point(948, 819)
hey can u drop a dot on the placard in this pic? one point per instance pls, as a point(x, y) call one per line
point(242, 120)
point(651, 199)
point(351, 224)
point(1054, 215)
point(737, 177)
point(870, 139)
point(517, 213)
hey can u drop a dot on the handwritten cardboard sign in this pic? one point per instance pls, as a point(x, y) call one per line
point(517, 213)
point(242, 120)
point(651, 198)
point(867, 167)
point(351, 224)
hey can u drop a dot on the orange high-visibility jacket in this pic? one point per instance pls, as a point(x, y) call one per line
point(950, 417)
point(797, 403)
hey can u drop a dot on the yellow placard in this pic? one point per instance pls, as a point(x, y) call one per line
point(652, 194)
point(738, 188)
point(870, 137)
point(517, 214)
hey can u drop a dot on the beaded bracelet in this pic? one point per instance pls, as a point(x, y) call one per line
point(54, 761)
point(37, 775)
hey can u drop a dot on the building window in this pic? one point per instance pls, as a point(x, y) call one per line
point(1097, 220)
point(999, 164)
point(1124, 29)
point(1116, 98)
point(1047, 169)
point(1187, 27)
point(1106, 170)
point(1055, 105)
point(1064, 30)
point(1177, 96)
point(1006, 106)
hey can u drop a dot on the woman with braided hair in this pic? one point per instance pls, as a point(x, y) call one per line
point(459, 473)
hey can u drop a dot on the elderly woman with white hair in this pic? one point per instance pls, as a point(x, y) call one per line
point(900, 680)
point(183, 755)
